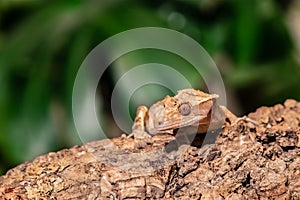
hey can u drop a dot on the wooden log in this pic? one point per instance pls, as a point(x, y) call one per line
point(253, 159)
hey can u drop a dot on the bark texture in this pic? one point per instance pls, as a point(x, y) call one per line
point(256, 158)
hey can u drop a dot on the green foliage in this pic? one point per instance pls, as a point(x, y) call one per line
point(43, 43)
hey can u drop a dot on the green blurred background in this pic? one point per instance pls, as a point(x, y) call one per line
point(254, 43)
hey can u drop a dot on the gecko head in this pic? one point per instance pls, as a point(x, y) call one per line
point(187, 108)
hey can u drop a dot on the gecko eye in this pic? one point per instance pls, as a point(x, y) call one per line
point(185, 109)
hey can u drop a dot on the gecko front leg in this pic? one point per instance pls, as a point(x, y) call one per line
point(229, 115)
point(233, 120)
point(139, 124)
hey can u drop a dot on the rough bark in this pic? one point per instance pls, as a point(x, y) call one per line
point(248, 160)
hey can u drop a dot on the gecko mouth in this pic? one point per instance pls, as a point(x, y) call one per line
point(180, 123)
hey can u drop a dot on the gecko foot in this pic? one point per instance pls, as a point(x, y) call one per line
point(139, 134)
point(250, 121)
